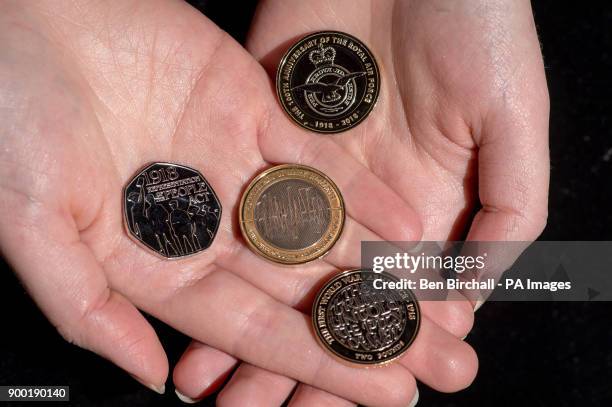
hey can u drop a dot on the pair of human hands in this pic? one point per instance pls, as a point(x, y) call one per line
point(92, 91)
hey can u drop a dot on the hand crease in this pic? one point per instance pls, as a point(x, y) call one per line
point(199, 76)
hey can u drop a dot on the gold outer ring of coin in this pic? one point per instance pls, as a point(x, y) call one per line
point(344, 360)
point(284, 256)
point(297, 44)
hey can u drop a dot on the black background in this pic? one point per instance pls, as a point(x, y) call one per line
point(536, 354)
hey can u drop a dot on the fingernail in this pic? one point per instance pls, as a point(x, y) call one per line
point(417, 247)
point(478, 305)
point(463, 339)
point(185, 399)
point(157, 389)
point(415, 399)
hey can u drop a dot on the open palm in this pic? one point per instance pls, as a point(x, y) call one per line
point(463, 111)
point(91, 93)
point(462, 118)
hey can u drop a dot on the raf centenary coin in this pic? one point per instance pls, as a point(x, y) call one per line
point(171, 209)
point(291, 214)
point(360, 322)
point(328, 82)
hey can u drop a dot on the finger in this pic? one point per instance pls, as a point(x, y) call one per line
point(440, 360)
point(289, 285)
point(252, 386)
point(513, 167)
point(201, 371)
point(513, 160)
point(451, 316)
point(367, 199)
point(299, 287)
point(455, 317)
point(306, 396)
point(70, 287)
point(256, 328)
point(346, 253)
point(513, 157)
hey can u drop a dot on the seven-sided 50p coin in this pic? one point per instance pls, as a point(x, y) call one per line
point(171, 209)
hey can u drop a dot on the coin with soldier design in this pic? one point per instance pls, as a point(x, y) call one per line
point(171, 209)
point(291, 214)
point(361, 321)
point(328, 82)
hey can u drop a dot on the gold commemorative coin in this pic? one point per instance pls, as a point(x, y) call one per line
point(328, 82)
point(291, 214)
point(361, 321)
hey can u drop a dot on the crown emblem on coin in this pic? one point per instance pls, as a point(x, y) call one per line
point(322, 56)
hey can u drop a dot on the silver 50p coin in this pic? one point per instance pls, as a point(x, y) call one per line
point(171, 209)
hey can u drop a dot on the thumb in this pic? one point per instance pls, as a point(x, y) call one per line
point(69, 285)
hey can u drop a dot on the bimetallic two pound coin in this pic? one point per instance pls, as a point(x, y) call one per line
point(328, 82)
point(291, 214)
point(360, 322)
point(171, 209)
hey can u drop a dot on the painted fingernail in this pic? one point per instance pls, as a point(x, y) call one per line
point(478, 305)
point(415, 399)
point(185, 399)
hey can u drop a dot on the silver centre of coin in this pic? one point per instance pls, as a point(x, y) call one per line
point(292, 214)
point(364, 319)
